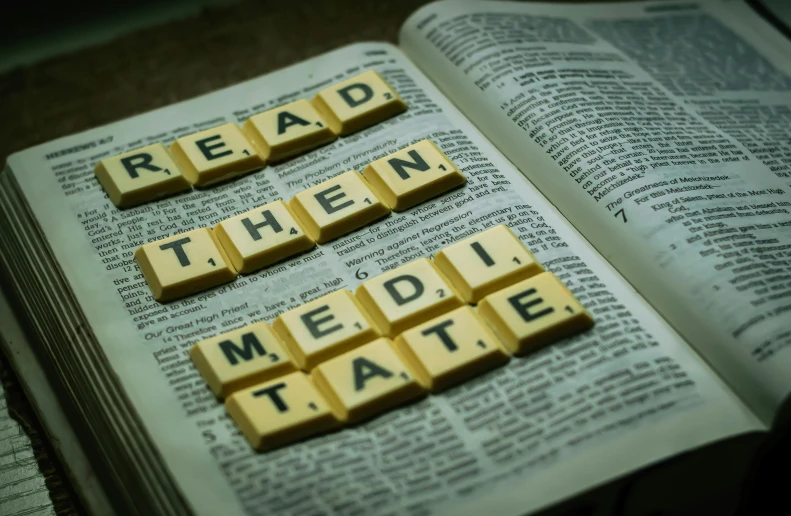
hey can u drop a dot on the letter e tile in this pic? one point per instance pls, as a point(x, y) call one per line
point(533, 313)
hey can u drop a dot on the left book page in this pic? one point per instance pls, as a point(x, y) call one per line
point(571, 416)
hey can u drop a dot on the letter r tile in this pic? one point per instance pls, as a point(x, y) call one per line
point(337, 206)
point(409, 295)
point(184, 264)
point(324, 328)
point(140, 176)
point(357, 103)
point(533, 313)
point(241, 358)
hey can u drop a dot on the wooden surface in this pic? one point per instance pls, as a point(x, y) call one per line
point(179, 60)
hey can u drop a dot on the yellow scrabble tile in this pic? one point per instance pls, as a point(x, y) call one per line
point(487, 262)
point(140, 176)
point(450, 348)
point(412, 175)
point(280, 411)
point(241, 358)
point(407, 296)
point(337, 206)
point(324, 328)
point(534, 313)
point(366, 381)
point(215, 155)
point(358, 102)
point(288, 130)
point(262, 236)
point(183, 264)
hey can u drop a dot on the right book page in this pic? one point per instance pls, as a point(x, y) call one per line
point(661, 131)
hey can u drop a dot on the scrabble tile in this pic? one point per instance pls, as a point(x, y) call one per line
point(183, 264)
point(412, 175)
point(407, 296)
point(140, 176)
point(357, 103)
point(280, 411)
point(288, 130)
point(366, 381)
point(450, 349)
point(533, 313)
point(262, 236)
point(325, 328)
point(486, 262)
point(241, 358)
point(215, 155)
point(337, 206)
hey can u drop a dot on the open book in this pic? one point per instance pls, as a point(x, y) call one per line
point(639, 150)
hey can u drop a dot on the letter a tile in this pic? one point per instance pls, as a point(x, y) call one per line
point(486, 263)
point(366, 381)
point(357, 103)
point(262, 236)
point(241, 358)
point(412, 175)
point(450, 349)
point(534, 313)
point(337, 206)
point(288, 130)
point(140, 176)
point(280, 411)
point(215, 155)
point(184, 264)
point(407, 296)
point(324, 328)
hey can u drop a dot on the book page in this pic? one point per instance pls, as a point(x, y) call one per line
point(661, 132)
point(629, 390)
